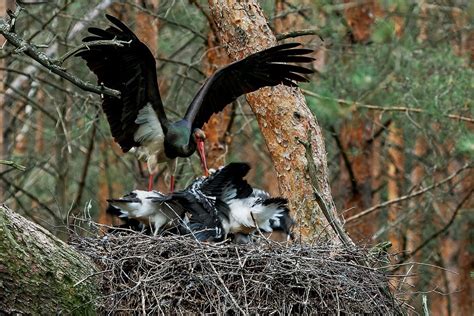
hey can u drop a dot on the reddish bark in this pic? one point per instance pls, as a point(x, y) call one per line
point(413, 232)
point(107, 188)
point(361, 17)
point(395, 166)
point(354, 136)
point(146, 27)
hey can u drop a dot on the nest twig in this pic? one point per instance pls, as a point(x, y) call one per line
point(179, 275)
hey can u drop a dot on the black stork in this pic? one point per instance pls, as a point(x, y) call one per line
point(281, 222)
point(224, 204)
point(138, 119)
point(142, 209)
point(256, 212)
point(211, 208)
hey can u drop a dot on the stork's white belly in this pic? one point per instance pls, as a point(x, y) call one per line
point(150, 136)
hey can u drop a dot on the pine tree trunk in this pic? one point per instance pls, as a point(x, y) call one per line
point(40, 274)
point(395, 172)
point(283, 117)
point(357, 178)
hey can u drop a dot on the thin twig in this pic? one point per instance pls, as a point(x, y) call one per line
point(166, 20)
point(31, 196)
point(167, 60)
point(439, 232)
point(293, 34)
point(86, 46)
point(86, 166)
point(408, 196)
point(32, 51)
point(74, 30)
point(379, 132)
point(32, 102)
point(224, 285)
point(12, 164)
point(347, 162)
point(386, 108)
point(33, 77)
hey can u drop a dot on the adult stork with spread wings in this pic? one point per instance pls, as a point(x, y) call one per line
point(138, 119)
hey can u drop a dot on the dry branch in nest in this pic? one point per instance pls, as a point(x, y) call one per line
point(179, 275)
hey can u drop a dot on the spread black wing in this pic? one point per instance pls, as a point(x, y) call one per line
point(206, 199)
point(266, 68)
point(130, 69)
point(228, 182)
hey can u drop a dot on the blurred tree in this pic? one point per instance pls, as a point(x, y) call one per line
point(4, 5)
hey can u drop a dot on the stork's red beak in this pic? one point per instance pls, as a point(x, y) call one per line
point(200, 137)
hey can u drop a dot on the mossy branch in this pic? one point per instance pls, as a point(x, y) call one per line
point(12, 164)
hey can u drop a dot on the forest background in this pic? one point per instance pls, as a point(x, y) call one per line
point(392, 91)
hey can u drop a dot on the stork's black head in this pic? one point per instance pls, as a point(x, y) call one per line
point(178, 140)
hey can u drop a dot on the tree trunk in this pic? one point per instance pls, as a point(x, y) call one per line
point(283, 117)
point(395, 172)
point(356, 181)
point(40, 274)
point(413, 233)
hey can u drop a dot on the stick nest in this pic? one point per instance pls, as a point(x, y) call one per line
point(179, 275)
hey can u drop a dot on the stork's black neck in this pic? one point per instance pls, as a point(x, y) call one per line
point(178, 140)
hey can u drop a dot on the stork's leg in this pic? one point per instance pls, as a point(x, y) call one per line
point(172, 166)
point(152, 167)
point(172, 183)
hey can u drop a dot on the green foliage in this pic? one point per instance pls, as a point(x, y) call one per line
point(383, 31)
point(465, 144)
point(405, 74)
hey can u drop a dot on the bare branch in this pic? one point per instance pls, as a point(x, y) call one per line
point(78, 27)
point(347, 162)
point(30, 196)
point(408, 196)
point(31, 102)
point(439, 232)
point(86, 46)
point(32, 51)
point(298, 33)
point(386, 108)
point(166, 20)
point(12, 164)
point(85, 168)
